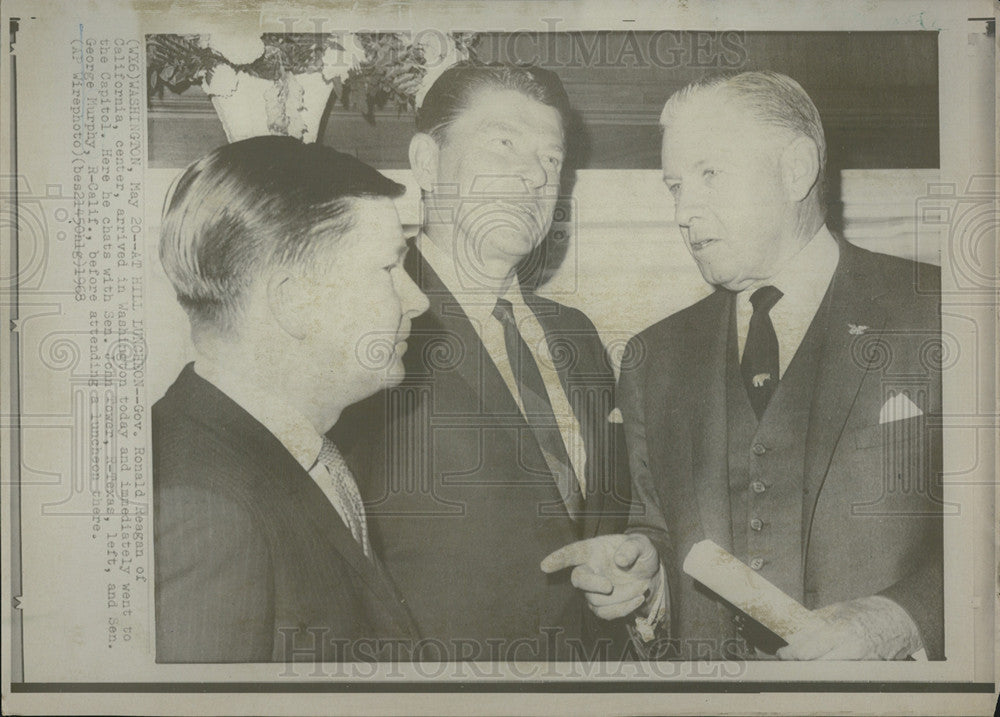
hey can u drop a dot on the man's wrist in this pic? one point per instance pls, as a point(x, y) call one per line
point(654, 591)
point(652, 612)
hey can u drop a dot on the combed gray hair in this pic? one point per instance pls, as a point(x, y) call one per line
point(772, 98)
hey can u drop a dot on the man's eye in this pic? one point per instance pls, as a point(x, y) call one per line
point(506, 142)
point(674, 188)
point(554, 160)
point(710, 173)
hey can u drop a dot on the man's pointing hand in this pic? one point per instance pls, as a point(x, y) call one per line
point(617, 573)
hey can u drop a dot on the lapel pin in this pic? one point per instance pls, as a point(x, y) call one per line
point(856, 329)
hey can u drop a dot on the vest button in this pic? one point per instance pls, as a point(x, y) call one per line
point(757, 563)
point(759, 449)
point(757, 487)
point(757, 524)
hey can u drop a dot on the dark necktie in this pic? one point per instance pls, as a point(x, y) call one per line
point(538, 409)
point(760, 366)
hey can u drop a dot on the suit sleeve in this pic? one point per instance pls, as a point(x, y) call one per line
point(646, 515)
point(921, 592)
point(214, 597)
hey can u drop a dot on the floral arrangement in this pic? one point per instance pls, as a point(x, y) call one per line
point(398, 72)
point(365, 71)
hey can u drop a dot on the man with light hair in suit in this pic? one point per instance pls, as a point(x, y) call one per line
point(789, 416)
point(288, 259)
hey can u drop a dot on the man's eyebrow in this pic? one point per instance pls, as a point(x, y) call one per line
point(495, 124)
point(557, 148)
point(697, 165)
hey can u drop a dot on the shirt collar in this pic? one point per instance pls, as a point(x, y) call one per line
point(288, 425)
point(477, 303)
point(806, 276)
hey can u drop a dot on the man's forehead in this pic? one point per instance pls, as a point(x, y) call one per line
point(491, 107)
point(713, 129)
point(361, 249)
point(373, 218)
point(712, 113)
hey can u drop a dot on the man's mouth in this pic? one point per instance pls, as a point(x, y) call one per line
point(524, 208)
point(701, 244)
point(402, 334)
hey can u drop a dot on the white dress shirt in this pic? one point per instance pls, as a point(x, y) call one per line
point(478, 306)
point(295, 432)
point(803, 281)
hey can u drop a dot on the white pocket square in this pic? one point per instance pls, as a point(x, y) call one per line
point(897, 408)
point(616, 416)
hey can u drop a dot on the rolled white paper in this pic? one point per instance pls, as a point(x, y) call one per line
point(748, 590)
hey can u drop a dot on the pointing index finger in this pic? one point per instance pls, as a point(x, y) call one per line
point(567, 556)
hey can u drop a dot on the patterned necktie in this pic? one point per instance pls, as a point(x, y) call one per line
point(760, 367)
point(538, 410)
point(345, 492)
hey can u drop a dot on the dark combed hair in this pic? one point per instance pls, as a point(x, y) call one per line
point(452, 92)
point(254, 204)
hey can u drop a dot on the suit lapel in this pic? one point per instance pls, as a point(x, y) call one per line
point(847, 358)
point(707, 343)
point(317, 510)
point(301, 486)
point(283, 474)
point(446, 321)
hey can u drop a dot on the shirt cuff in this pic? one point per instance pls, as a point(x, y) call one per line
point(645, 626)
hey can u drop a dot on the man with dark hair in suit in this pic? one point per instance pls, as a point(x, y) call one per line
point(788, 417)
point(288, 259)
point(497, 447)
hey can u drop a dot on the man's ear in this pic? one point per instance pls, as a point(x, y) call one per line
point(424, 160)
point(287, 298)
point(799, 168)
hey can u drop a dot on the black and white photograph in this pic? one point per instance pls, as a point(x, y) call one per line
point(435, 358)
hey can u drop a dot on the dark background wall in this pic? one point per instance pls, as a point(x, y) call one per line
point(876, 91)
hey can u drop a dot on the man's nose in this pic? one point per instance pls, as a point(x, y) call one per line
point(534, 173)
point(686, 205)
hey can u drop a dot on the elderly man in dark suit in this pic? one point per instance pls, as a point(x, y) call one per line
point(497, 447)
point(288, 259)
point(789, 416)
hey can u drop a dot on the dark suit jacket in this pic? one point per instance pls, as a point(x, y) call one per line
point(871, 520)
point(461, 504)
point(252, 561)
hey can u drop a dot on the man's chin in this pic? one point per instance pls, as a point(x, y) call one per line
point(515, 246)
point(396, 371)
point(717, 278)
